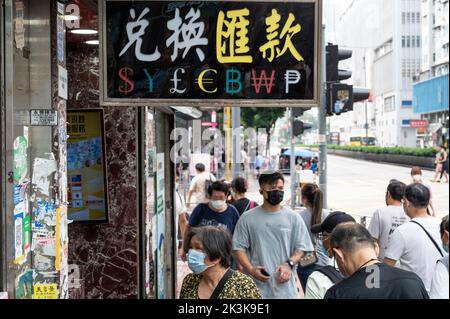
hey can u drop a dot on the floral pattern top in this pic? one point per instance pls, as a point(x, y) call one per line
point(239, 286)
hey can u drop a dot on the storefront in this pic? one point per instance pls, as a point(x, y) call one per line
point(67, 158)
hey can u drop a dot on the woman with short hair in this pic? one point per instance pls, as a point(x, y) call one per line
point(208, 251)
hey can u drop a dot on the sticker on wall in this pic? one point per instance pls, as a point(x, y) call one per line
point(19, 32)
point(20, 164)
point(42, 169)
point(18, 237)
point(27, 234)
point(46, 291)
point(45, 246)
point(62, 83)
point(24, 285)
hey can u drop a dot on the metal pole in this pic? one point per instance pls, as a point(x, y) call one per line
point(367, 122)
point(228, 148)
point(292, 162)
point(323, 127)
point(236, 126)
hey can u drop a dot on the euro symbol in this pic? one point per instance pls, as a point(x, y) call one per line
point(200, 81)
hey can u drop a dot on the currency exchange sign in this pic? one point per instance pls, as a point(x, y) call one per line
point(252, 53)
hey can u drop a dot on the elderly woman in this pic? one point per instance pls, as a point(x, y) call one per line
point(209, 257)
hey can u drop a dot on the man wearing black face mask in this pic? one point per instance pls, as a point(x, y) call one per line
point(270, 240)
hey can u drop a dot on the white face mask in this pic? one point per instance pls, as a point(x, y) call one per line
point(417, 178)
point(218, 204)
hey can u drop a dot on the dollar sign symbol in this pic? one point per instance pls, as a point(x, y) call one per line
point(129, 85)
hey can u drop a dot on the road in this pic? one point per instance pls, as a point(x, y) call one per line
point(358, 187)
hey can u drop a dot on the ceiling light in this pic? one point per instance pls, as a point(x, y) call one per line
point(83, 31)
point(92, 42)
point(70, 17)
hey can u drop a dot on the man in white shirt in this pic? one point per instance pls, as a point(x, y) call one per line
point(415, 244)
point(198, 184)
point(439, 284)
point(385, 220)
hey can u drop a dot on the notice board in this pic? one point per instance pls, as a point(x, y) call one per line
point(86, 167)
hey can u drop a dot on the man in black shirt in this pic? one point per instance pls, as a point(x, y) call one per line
point(356, 254)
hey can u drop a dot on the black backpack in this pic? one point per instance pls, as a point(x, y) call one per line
point(334, 275)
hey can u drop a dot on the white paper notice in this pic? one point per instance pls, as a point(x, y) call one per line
point(42, 169)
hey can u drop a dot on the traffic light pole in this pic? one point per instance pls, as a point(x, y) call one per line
point(323, 126)
point(292, 162)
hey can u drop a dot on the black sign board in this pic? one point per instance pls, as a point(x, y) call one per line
point(251, 53)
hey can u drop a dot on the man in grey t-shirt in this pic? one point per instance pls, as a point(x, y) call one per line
point(269, 241)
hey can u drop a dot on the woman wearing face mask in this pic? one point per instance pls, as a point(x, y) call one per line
point(216, 212)
point(416, 175)
point(313, 214)
point(209, 257)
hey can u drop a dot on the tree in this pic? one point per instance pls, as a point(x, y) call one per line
point(262, 117)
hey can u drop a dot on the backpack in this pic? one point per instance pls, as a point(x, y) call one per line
point(331, 272)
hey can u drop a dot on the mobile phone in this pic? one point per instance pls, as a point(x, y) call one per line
point(264, 272)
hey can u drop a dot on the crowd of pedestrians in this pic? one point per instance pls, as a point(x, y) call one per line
point(238, 249)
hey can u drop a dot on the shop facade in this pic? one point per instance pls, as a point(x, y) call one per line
point(87, 190)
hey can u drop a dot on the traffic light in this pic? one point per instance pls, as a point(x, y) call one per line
point(300, 127)
point(298, 111)
point(360, 94)
point(340, 97)
point(334, 55)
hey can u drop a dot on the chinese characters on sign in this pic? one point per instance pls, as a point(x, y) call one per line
point(211, 50)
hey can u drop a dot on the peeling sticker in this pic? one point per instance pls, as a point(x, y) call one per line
point(42, 169)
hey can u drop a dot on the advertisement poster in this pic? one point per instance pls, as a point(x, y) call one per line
point(160, 224)
point(24, 285)
point(86, 171)
point(18, 236)
point(45, 291)
point(20, 167)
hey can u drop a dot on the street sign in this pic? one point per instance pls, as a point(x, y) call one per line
point(419, 124)
point(249, 53)
point(43, 117)
point(210, 124)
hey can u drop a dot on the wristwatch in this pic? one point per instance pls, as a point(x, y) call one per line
point(290, 263)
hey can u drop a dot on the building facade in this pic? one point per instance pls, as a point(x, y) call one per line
point(431, 88)
point(385, 62)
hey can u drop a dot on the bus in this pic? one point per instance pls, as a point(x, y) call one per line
point(362, 140)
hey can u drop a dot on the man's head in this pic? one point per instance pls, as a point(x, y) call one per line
point(416, 199)
point(395, 192)
point(349, 242)
point(271, 186)
point(444, 232)
point(328, 225)
point(200, 167)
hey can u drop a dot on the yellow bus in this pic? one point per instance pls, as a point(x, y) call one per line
point(362, 140)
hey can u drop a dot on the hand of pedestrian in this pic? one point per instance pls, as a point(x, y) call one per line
point(285, 273)
point(183, 255)
point(188, 205)
point(256, 273)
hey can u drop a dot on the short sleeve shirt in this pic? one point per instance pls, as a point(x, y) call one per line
point(269, 239)
point(205, 216)
point(239, 286)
